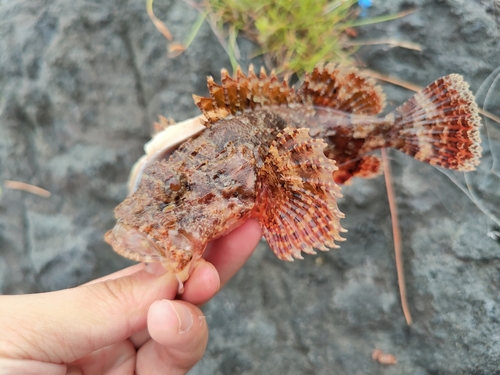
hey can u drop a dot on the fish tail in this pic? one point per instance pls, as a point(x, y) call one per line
point(439, 125)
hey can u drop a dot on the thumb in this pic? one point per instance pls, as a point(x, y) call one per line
point(66, 325)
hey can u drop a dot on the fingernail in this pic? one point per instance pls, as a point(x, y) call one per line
point(184, 316)
point(155, 268)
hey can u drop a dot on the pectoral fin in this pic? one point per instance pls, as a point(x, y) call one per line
point(296, 196)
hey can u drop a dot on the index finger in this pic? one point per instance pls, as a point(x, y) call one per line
point(229, 253)
point(121, 273)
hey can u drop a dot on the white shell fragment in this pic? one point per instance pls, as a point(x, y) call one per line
point(162, 145)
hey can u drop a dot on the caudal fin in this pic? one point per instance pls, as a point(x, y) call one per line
point(440, 125)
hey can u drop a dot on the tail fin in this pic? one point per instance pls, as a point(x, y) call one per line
point(440, 125)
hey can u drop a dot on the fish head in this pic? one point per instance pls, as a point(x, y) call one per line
point(177, 210)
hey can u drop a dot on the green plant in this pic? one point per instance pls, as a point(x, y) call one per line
point(291, 35)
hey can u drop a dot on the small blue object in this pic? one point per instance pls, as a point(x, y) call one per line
point(364, 4)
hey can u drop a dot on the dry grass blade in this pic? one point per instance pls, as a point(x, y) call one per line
point(392, 42)
point(17, 185)
point(397, 236)
point(490, 115)
point(393, 80)
point(162, 28)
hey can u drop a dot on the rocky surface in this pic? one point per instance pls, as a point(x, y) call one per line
point(81, 83)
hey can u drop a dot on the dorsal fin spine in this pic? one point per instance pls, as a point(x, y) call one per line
point(235, 95)
point(263, 73)
point(334, 86)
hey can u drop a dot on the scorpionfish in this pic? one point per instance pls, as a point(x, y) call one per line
point(279, 155)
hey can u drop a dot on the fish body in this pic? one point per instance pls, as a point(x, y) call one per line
point(279, 155)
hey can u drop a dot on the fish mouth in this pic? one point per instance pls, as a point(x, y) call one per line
point(178, 252)
point(129, 242)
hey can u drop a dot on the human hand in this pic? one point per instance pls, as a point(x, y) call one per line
point(124, 322)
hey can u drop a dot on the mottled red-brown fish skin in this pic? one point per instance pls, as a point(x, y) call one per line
point(277, 154)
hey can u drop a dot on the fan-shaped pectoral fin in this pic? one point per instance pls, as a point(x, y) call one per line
point(297, 197)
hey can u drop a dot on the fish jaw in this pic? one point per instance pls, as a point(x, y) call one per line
point(183, 203)
point(178, 253)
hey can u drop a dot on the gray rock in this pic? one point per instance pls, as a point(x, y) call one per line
point(81, 83)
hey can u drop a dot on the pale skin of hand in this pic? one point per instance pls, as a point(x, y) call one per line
point(128, 322)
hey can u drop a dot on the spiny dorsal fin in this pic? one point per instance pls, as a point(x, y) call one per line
point(342, 88)
point(235, 95)
point(296, 201)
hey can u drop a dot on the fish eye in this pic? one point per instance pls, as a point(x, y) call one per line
point(176, 185)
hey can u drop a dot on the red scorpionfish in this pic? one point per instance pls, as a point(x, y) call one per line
point(278, 154)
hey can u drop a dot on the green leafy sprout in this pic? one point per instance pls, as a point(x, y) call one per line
point(291, 35)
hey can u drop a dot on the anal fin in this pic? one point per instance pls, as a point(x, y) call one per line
point(296, 196)
point(367, 166)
